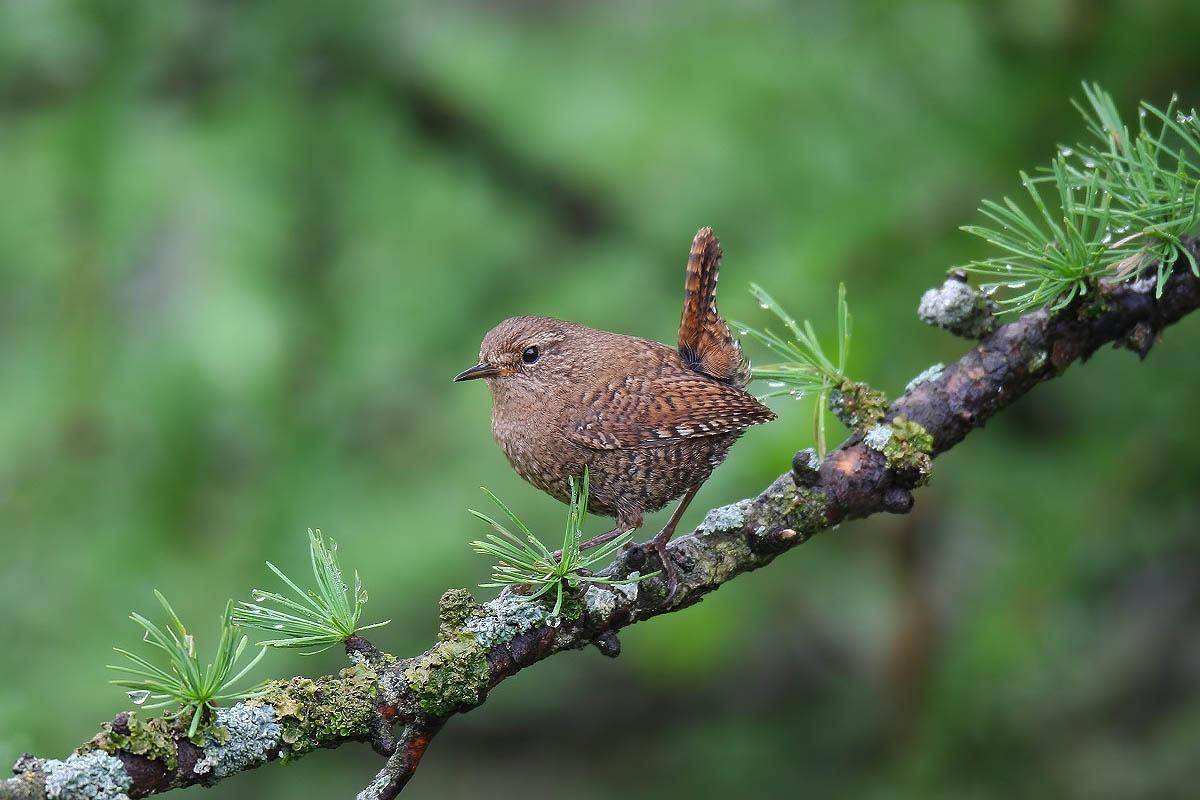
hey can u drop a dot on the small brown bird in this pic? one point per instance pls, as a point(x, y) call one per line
point(649, 422)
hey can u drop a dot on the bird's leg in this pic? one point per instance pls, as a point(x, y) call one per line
point(659, 544)
point(625, 523)
point(588, 544)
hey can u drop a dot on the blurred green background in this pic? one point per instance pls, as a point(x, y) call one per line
point(245, 245)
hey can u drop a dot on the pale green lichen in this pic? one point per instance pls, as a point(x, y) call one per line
point(153, 738)
point(601, 600)
point(878, 437)
point(959, 308)
point(802, 508)
point(312, 712)
point(505, 617)
point(930, 373)
point(95, 775)
point(392, 687)
point(726, 518)
point(630, 588)
point(242, 736)
point(857, 405)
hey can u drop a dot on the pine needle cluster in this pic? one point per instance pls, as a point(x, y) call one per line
point(1113, 206)
point(803, 369)
point(522, 560)
point(183, 681)
point(314, 619)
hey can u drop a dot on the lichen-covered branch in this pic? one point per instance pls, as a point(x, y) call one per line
point(479, 645)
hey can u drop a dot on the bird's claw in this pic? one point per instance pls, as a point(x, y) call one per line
point(670, 571)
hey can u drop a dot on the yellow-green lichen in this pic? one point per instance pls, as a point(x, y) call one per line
point(572, 608)
point(710, 562)
point(906, 446)
point(454, 608)
point(316, 712)
point(153, 738)
point(802, 507)
point(857, 404)
point(807, 511)
point(454, 673)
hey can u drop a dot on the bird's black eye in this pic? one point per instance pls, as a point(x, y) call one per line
point(531, 354)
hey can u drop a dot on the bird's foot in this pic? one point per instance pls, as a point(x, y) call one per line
point(670, 572)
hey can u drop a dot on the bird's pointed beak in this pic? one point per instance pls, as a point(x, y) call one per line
point(480, 370)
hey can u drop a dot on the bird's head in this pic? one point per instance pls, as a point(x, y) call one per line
point(534, 351)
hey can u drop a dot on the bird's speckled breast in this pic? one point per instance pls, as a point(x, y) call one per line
point(632, 480)
point(538, 452)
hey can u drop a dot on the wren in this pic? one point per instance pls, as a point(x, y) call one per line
point(648, 421)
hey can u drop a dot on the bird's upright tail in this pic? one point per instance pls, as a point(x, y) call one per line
point(705, 341)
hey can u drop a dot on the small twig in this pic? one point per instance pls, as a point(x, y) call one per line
point(401, 765)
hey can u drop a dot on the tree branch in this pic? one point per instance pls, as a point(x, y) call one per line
point(479, 646)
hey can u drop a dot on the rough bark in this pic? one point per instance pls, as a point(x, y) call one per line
point(875, 470)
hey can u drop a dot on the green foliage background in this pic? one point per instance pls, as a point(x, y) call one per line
point(244, 246)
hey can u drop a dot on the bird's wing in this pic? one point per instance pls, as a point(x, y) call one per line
point(659, 409)
point(705, 341)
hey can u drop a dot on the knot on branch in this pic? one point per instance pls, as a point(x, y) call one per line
point(790, 512)
point(897, 500)
point(359, 649)
point(959, 308)
point(29, 782)
point(806, 467)
point(608, 644)
point(1140, 339)
point(1143, 307)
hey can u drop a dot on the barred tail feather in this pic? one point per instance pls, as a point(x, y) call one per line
point(705, 341)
